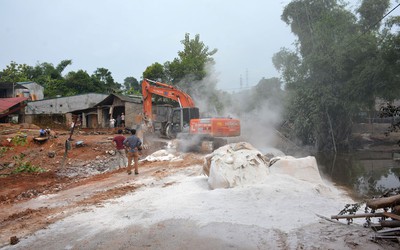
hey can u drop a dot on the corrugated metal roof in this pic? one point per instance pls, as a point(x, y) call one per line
point(7, 103)
point(9, 85)
point(109, 99)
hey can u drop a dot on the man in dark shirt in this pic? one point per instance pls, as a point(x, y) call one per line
point(133, 144)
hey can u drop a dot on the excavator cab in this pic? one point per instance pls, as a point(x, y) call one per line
point(169, 120)
point(180, 120)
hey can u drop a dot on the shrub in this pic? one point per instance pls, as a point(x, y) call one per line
point(3, 150)
point(25, 166)
point(19, 139)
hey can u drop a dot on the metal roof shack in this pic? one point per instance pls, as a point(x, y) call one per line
point(7, 89)
point(9, 106)
point(114, 105)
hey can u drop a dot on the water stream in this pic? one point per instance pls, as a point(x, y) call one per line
point(364, 173)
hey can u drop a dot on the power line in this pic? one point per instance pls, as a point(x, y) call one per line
point(372, 25)
point(368, 29)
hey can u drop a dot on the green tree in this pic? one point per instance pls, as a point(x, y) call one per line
point(104, 82)
point(131, 85)
point(371, 12)
point(329, 77)
point(191, 65)
point(54, 83)
point(50, 77)
point(155, 72)
point(62, 65)
point(80, 82)
point(389, 61)
point(15, 73)
point(45, 74)
point(266, 90)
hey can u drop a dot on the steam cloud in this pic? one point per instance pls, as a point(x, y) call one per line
point(257, 123)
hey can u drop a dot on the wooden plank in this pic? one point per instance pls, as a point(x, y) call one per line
point(352, 216)
point(390, 230)
point(390, 215)
point(390, 223)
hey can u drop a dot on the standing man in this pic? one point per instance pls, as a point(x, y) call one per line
point(133, 144)
point(118, 121)
point(123, 120)
point(112, 122)
point(119, 146)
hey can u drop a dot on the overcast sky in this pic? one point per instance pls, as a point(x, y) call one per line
point(126, 36)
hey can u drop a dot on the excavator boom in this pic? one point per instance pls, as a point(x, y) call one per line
point(170, 121)
point(164, 90)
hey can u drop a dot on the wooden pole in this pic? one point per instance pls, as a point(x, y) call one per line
point(352, 216)
point(384, 202)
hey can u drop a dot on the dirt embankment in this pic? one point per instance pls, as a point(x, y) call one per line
point(86, 175)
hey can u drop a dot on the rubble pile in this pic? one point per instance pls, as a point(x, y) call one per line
point(234, 165)
point(240, 164)
point(305, 169)
point(162, 155)
point(88, 168)
point(386, 224)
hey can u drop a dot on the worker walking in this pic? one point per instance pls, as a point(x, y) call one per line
point(134, 145)
point(120, 149)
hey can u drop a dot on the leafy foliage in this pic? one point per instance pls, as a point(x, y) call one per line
point(191, 65)
point(15, 73)
point(190, 71)
point(3, 150)
point(24, 166)
point(371, 11)
point(391, 111)
point(54, 83)
point(338, 69)
point(155, 72)
point(131, 85)
point(19, 139)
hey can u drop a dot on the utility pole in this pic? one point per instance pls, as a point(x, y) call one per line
point(247, 78)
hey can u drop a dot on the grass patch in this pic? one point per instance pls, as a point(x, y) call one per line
point(19, 139)
point(25, 166)
point(3, 150)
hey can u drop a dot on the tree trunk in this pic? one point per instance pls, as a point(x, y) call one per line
point(384, 202)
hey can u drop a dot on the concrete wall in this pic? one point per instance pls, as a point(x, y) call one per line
point(64, 105)
point(45, 120)
point(34, 91)
point(371, 128)
point(132, 110)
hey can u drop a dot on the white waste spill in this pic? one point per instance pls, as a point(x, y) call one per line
point(280, 202)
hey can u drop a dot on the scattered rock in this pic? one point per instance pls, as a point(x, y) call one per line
point(14, 240)
point(51, 154)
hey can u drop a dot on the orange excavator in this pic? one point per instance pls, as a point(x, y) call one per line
point(184, 121)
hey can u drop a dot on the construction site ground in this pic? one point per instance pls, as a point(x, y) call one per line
point(88, 175)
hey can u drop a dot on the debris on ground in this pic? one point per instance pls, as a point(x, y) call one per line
point(305, 168)
point(86, 188)
point(381, 214)
point(235, 164)
point(240, 164)
point(162, 155)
